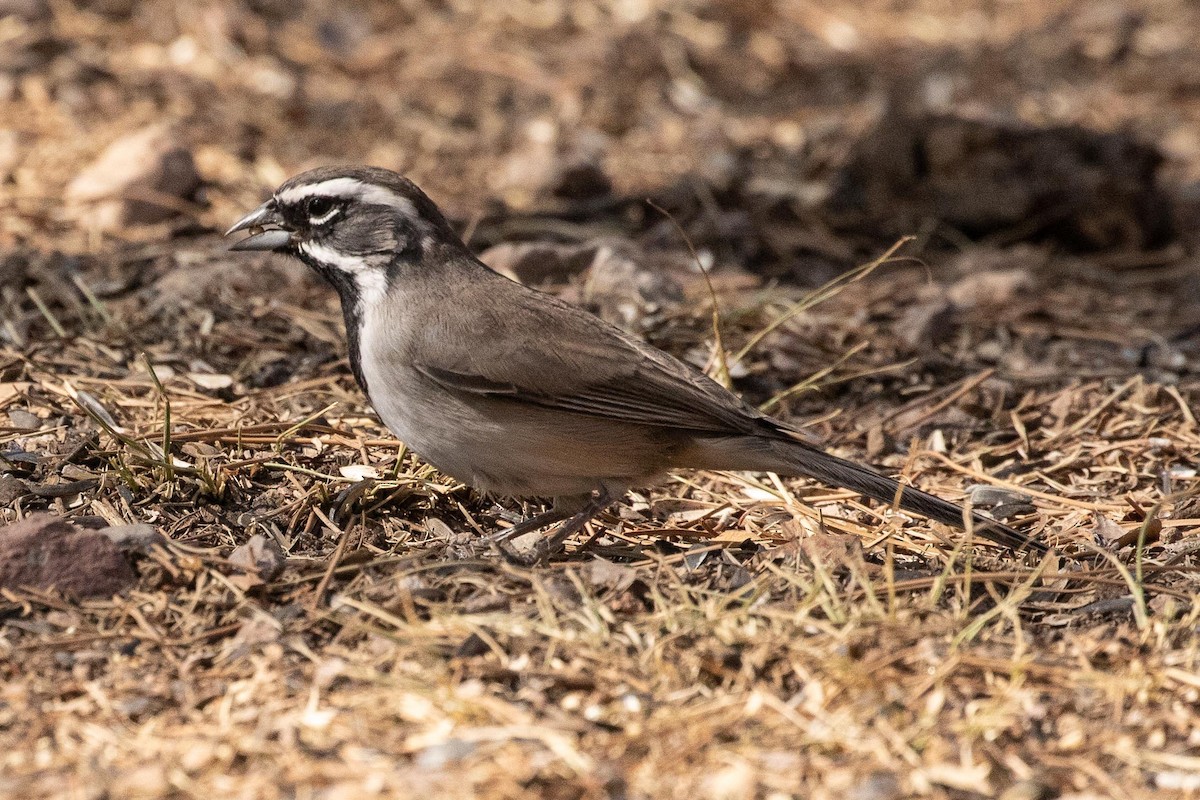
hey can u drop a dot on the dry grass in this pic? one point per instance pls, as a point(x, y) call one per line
point(724, 636)
point(694, 650)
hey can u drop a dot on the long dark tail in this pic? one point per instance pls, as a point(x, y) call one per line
point(787, 455)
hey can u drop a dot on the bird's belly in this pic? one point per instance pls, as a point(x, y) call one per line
point(516, 449)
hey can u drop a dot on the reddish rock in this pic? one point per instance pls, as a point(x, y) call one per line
point(12, 488)
point(45, 552)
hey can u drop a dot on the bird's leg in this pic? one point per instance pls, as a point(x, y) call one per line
point(530, 524)
point(573, 512)
point(553, 544)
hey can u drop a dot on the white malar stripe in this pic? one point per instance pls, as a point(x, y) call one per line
point(371, 279)
point(351, 189)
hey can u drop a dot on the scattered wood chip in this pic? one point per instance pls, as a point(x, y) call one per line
point(259, 556)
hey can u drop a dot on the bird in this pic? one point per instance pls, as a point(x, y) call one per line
point(516, 392)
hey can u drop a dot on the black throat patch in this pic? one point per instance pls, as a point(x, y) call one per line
point(352, 312)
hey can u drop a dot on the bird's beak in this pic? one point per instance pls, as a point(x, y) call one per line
point(274, 237)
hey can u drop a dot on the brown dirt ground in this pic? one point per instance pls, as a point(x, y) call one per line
point(726, 636)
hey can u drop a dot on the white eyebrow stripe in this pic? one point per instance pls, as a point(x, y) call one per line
point(349, 188)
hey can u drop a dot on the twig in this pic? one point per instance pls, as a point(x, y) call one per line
point(719, 354)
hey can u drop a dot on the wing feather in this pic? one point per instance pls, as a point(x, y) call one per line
point(554, 355)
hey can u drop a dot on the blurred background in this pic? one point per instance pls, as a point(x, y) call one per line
point(1033, 140)
point(1004, 121)
point(1044, 158)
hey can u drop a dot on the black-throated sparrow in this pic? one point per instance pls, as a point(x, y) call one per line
point(514, 391)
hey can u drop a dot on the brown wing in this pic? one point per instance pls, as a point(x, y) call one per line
point(533, 348)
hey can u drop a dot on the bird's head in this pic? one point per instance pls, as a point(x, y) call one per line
point(356, 226)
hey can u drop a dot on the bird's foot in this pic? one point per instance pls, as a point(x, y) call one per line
point(545, 548)
point(506, 515)
point(505, 541)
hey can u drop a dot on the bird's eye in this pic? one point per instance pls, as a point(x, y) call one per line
point(319, 209)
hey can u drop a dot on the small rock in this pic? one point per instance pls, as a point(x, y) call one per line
point(259, 555)
point(359, 472)
point(582, 180)
point(878, 785)
point(73, 472)
point(1007, 511)
point(139, 538)
point(1106, 532)
point(538, 263)
point(252, 636)
point(619, 281)
point(526, 545)
point(1029, 790)
point(199, 450)
point(624, 289)
point(210, 381)
point(729, 782)
point(140, 179)
point(438, 530)
point(1165, 607)
point(1180, 472)
point(996, 289)
point(609, 575)
point(439, 756)
point(54, 487)
point(12, 488)
point(984, 495)
point(138, 706)
point(983, 176)
point(696, 555)
point(20, 418)
point(44, 552)
point(927, 324)
point(472, 647)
